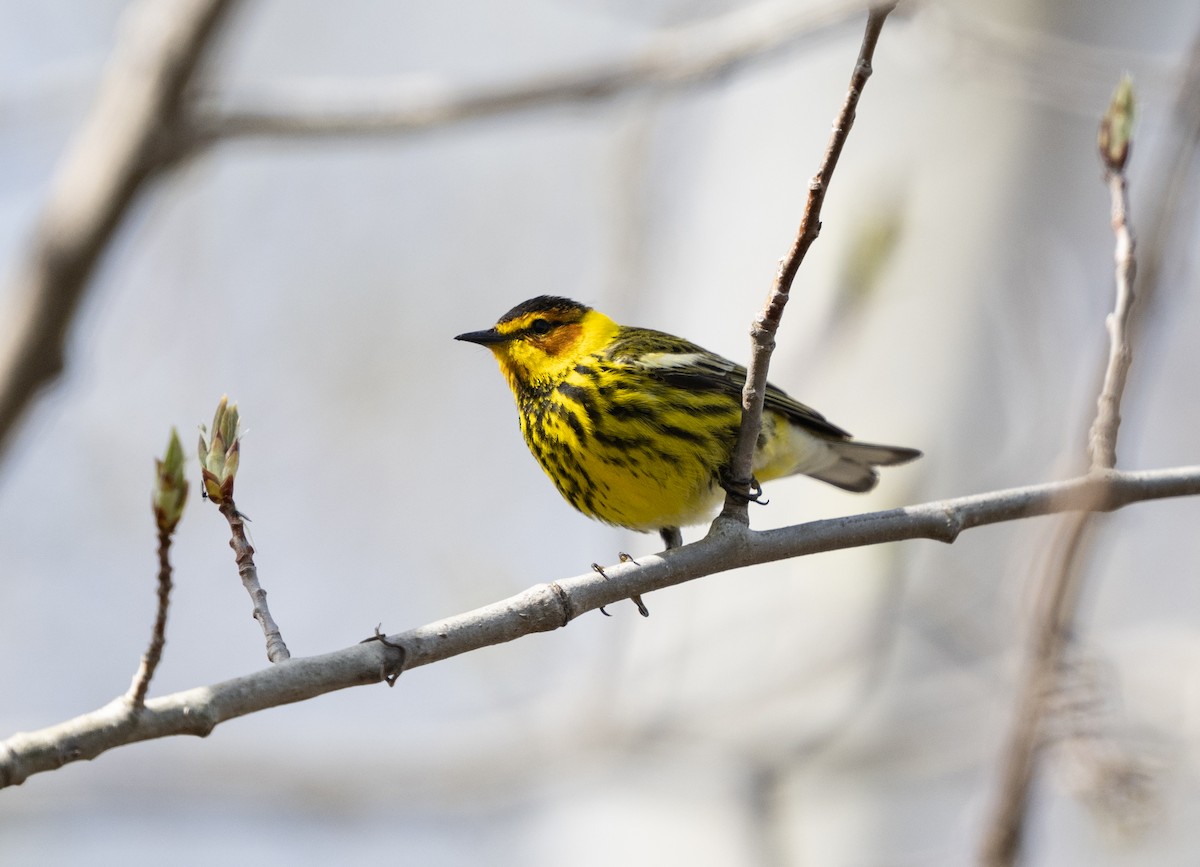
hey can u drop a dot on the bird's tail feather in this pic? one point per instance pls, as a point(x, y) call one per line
point(855, 467)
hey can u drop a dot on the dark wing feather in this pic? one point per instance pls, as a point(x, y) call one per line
point(710, 372)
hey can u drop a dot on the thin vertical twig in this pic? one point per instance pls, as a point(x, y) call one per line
point(766, 324)
point(1102, 440)
point(158, 637)
point(220, 451)
point(1058, 594)
point(167, 500)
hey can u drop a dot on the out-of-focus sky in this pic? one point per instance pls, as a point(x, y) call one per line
point(846, 709)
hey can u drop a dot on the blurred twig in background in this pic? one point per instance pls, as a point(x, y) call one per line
point(1058, 595)
point(1173, 180)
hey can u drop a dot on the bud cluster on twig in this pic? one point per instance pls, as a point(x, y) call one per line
point(1116, 127)
point(219, 454)
point(170, 486)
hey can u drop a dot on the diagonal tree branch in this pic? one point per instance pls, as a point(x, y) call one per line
point(106, 166)
point(766, 324)
point(546, 607)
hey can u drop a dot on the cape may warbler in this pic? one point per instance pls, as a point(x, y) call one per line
point(635, 427)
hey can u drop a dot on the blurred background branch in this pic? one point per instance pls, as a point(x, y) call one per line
point(1173, 188)
point(115, 153)
point(690, 55)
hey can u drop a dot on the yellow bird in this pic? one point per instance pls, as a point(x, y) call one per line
point(636, 427)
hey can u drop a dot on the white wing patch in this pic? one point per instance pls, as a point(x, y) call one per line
point(670, 359)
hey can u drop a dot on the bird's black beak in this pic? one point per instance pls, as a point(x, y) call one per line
point(483, 338)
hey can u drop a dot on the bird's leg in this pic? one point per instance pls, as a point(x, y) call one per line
point(635, 599)
point(599, 570)
point(735, 488)
point(672, 538)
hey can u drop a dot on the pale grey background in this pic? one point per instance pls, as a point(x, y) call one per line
point(846, 709)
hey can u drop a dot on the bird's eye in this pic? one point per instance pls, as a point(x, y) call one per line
point(539, 326)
